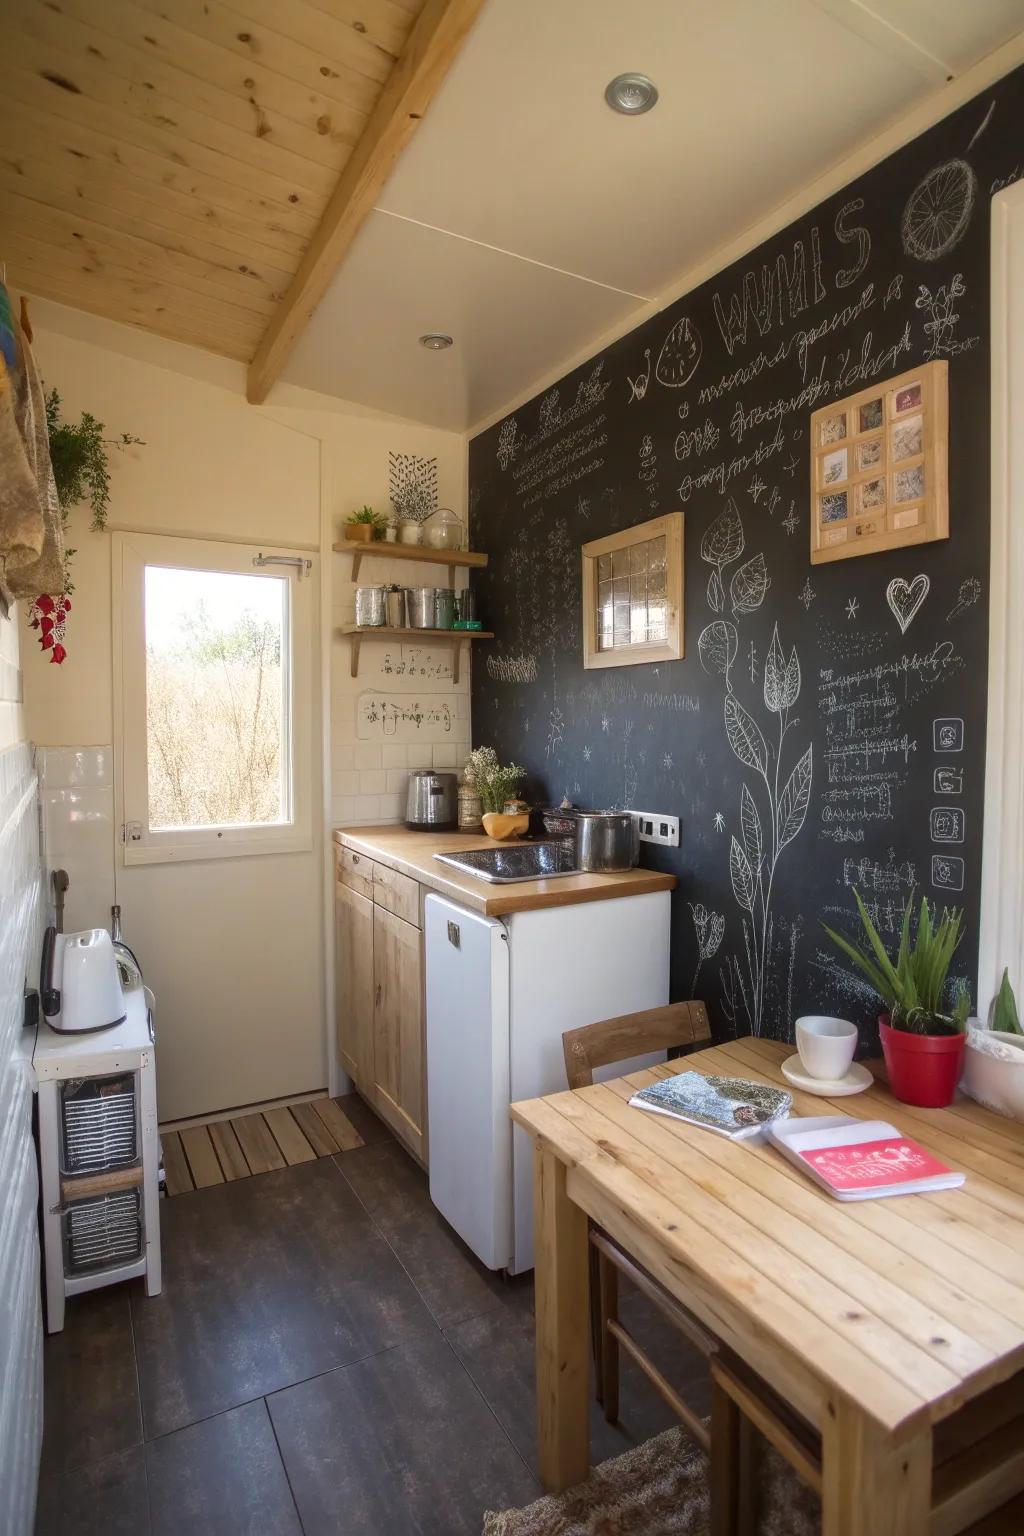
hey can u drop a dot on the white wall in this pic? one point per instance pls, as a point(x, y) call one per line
point(20, 1326)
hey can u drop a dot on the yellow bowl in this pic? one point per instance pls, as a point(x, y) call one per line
point(501, 827)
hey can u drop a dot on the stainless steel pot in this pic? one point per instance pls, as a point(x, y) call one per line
point(420, 602)
point(607, 841)
point(432, 803)
point(369, 605)
point(396, 608)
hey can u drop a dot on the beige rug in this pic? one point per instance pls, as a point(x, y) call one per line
point(658, 1489)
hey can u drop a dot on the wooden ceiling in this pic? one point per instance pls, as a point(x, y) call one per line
point(180, 164)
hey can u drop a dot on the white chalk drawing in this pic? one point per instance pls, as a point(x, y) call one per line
point(412, 485)
point(583, 507)
point(852, 607)
point(905, 598)
point(723, 542)
point(940, 329)
point(756, 489)
point(947, 872)
point(709, 928)
point(389, 717)
point(666, 760)
point(982, 126)
point(970, 592)
point(791, 522)
point(946, 824)
point(648, 472)
point(753, 667)
point(588, 752)
point(556, 727)
point(719, 822)
point(938, 211)
point(696, 440)
point(638, 386)
point(948, 734)
point(679, 355)
point(507, 441)
point(512, 669)
point(791, 466)
point(806, 595)
point(605, 723)
point(748, 586)
point(948, 781)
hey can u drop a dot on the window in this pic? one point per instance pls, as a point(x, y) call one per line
point(214, 657)
point(633, 595)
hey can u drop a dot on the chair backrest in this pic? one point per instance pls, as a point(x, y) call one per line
point(632, 1034)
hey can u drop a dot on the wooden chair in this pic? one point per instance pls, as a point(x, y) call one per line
point(600, 1045)
point(978, 1456)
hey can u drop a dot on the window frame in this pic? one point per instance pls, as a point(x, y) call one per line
point(131, 553)
point(672, 648)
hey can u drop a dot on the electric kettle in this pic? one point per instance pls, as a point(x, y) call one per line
point(432, 801)
point(79, 986)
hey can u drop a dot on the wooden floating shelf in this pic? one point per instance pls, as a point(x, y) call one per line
point(454, 559)
point(358, 633)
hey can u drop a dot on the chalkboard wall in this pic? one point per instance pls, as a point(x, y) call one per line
point(843, 746)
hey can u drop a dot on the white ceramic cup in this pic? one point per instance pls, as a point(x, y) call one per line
point(826, 1046)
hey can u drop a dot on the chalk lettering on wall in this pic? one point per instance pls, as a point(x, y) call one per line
point(856, 234)
point(391, 717)
point(905, 598)
point(697, 440)
point(638, 386)
point(648, 471)
point(680, 353)
point(968, 595)
point(507, 441)
point(938, 211)
point(791, 522)
point(512, 669)
point(894, 292)
point(415, 661)
point(779, 289)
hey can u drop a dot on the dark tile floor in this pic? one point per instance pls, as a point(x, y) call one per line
point(326, 1357)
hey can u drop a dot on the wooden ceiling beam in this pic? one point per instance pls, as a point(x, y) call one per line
point(429, 51)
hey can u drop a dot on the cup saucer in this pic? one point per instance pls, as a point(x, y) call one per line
point(856, 1080)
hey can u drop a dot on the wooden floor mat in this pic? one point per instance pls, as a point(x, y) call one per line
point(246, 1144)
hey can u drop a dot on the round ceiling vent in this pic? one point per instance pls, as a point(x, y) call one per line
point(435, 341)
point(631, 93)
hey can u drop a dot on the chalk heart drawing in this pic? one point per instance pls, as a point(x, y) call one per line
point(905, 598)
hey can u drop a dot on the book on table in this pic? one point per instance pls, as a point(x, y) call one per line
point(732, 1106)
point(861, 1159)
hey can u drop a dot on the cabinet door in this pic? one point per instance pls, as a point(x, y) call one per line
point(353, 984)
point(398, 1050)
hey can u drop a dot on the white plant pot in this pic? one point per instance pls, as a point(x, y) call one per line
point(410, 533)
point(994, 1071)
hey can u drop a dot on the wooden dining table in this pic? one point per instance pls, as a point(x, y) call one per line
point(875, 1319)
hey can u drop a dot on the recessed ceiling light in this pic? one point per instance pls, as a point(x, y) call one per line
point(631, 93)
point(435, 341)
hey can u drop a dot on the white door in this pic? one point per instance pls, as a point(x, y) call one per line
point(218, 874)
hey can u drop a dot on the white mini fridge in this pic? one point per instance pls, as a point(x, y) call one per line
point(500, 992)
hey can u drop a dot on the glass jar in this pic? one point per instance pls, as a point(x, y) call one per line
point(443, 529)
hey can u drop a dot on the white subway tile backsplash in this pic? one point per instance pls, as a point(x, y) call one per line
point(394, 757)
point(367, 808)
point(343, 755)
point(392, 807)
point(398, 778)
point(346, 782)
point(343, 810)
point(374, 782)
point(367, 755)
point(444, 756)
point(420, 756)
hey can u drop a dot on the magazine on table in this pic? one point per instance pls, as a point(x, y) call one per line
point(861, 1159)
point(731, 1106)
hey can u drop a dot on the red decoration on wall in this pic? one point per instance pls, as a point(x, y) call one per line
point(49, 615)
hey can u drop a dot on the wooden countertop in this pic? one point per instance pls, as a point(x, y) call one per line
point(412, 854)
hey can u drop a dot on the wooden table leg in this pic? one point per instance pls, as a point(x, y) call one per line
point(563, 1327)
point(872, 1482)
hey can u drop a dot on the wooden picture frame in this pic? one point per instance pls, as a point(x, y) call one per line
point(633, 595)
point(879, 466)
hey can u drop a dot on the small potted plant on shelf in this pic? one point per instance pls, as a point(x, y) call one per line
point(922, 1037)
point(496, 786)
point(364, 525)
point(994, 1058)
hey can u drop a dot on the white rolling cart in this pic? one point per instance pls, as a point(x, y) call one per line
point(99, 1153)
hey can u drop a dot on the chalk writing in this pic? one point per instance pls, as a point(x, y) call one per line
point(381, 716)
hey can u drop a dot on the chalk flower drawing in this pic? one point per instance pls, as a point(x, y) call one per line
point(941, 328)
point(709, 928)
point(806, 594)
point(719, 822)
point(754, 855)
point(970, 591)
point(852, 607)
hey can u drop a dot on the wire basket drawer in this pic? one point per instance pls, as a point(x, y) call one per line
point(99, 1123)
point(103, 1231)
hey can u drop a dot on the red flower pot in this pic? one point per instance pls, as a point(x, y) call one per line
point(923, 1069)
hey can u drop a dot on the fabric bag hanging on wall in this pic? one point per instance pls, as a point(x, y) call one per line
point(31, 535)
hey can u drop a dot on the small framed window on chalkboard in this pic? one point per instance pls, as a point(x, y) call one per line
point(633, 595)
point(879, 467)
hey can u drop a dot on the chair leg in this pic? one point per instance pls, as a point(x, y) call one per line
point(596, 1320)
point(608, 1290)
point(734, 1467)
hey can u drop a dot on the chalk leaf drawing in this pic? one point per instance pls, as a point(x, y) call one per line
point(742, 876)
point(748, 586)
point(710, 930)
point(679, 355)
point(745, 736)
point(938, 211)
point(750, 824)
point(723, 542)
point(970, 591)
point(905, 598)
point(717, 647)
point(794, 800)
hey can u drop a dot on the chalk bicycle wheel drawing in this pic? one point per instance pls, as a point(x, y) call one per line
point(939, 210)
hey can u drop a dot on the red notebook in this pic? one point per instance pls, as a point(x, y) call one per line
point(861, 1159)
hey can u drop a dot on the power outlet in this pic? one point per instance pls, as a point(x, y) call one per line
point(658, 829)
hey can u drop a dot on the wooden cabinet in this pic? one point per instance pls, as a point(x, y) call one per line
point(381, 1027)
point(354, 984)
point(398, 1045)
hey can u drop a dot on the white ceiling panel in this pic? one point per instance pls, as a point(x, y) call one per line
point(521, 151)
point(956, 33)
point(510, 320)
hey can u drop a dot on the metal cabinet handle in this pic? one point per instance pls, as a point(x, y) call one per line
point(355, 858)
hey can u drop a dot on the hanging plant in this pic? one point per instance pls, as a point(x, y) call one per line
point(79, 455)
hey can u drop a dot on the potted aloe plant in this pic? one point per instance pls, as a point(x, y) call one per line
point(922, 1039)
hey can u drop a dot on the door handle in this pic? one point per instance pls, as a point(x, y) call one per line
point(376, 1001)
